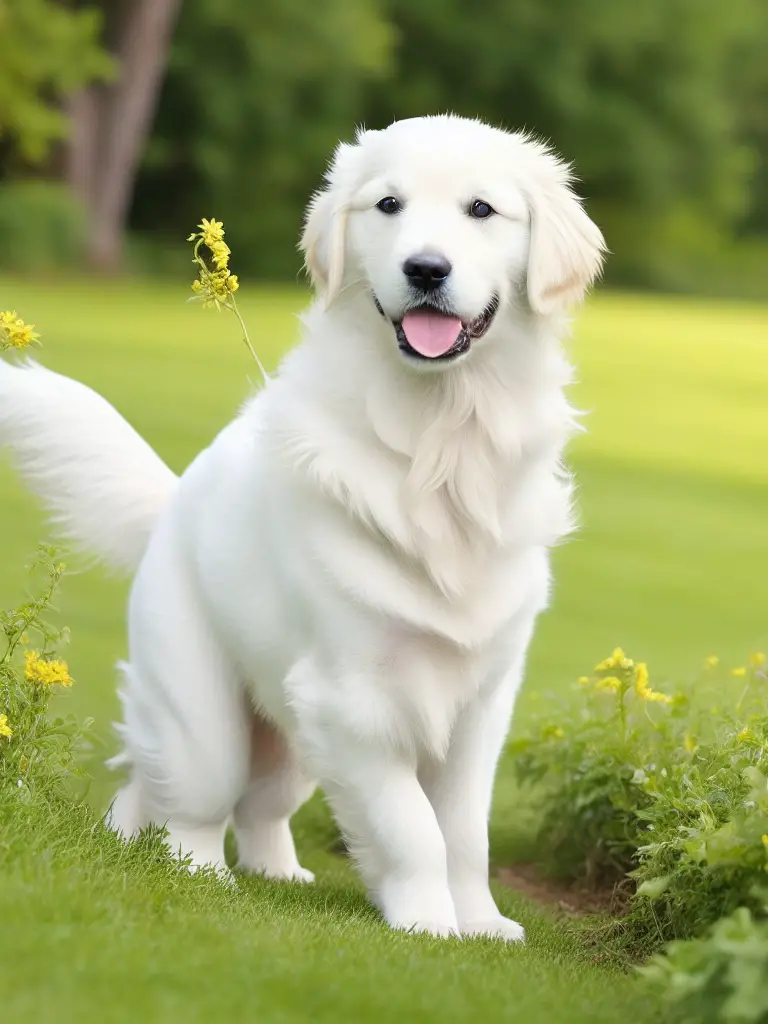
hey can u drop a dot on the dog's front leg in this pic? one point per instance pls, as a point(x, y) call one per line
point(382, 809)
point(460, 790)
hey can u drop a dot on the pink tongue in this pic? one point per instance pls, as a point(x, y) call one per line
point(432, 334)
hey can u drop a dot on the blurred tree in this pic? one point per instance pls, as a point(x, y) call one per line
point(46, 51)
point(111, 122)
point(255, 97)
point(646, 98)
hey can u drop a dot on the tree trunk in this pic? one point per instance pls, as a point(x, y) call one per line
point(110, 124)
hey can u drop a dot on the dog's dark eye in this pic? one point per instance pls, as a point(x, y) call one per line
point(389, 205)
point(481, 209)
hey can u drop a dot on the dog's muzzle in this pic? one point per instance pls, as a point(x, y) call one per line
point(435, 335)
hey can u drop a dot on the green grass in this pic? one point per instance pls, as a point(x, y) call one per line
point(673, 490)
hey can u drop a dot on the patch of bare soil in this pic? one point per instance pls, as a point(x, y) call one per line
point(570, 899)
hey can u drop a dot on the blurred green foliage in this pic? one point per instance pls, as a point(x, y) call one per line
point(47, 50)
point(46, 223)
point(256, 95)
point(662, 107)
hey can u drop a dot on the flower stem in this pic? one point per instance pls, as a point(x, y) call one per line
point(247, 340)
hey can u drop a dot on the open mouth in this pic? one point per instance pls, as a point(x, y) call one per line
point(429, 333)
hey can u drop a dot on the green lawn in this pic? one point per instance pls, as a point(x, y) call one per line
point(673, 477)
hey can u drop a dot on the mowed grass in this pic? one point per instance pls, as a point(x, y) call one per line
point(670, 562)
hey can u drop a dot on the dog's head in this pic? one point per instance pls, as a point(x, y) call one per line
point(440, 222)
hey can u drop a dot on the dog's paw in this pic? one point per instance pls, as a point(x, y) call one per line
point(288, 873)
point(298, 874)
point(501, 928)
point(434, 928)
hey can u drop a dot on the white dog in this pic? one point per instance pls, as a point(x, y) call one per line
point(343, 586)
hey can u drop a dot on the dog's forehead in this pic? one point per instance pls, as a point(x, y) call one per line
point(443, 155)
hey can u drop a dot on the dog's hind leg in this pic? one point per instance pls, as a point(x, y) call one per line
point(186, 714)
point(277, 788)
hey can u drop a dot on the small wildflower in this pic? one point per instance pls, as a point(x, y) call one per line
point(553, 732)
point(215, 283)
point(610, 684)
point(643, 689)
point(617, 659)
point(689, 742)
point(49, 673)
point(221, 253)
point(757, 659)
point(712, 661)
point(764, 838)
point(738, 672)
point(212, 231)
point(14, 333)
point(5, 729)
point(583, 680)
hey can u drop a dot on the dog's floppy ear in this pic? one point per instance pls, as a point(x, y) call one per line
point(566, 247)
point(323, 239)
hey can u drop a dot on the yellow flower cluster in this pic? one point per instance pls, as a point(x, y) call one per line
point(49, 673)
point(617, 660)
point(643, 689)
point(5, 729)
point(213, 286)
point(14, 333)
point(627, 674)
point(609, 684)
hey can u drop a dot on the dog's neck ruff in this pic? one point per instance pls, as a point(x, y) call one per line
point(430, 465)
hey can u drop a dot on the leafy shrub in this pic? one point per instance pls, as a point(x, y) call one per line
point(46, 224)
point(721, 977)
point(40, 753)
point(666, 794)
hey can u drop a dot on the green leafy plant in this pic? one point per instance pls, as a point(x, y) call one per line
point(722, 977)
point(40, 752)
point(662, 794)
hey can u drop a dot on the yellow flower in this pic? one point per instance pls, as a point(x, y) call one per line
point(49, 673)
point(583, 680)
point(553, 732)
point(616, 660)
point(757, 659)
point(764, 838)
point(610, 684)
point(5, 729)
point(220, 252)
point(14, 332)
point(712, 661)
point(642, 688)
point(740, 671)
point(212, 231)
point(689, 742)
point(232, 283)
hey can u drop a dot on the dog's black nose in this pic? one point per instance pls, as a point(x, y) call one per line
point(427, 271)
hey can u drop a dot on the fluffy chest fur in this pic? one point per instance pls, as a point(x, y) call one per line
point(442, 485)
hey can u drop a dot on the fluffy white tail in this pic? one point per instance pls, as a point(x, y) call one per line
point(104, 485)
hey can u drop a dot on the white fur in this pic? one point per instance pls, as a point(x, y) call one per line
point(103, 484)
point(343, 586)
